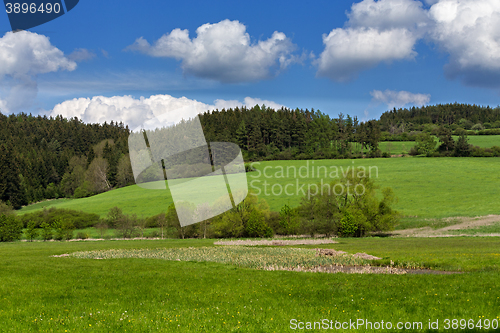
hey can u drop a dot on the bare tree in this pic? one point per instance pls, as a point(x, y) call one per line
point(162, 222)
point(97, 175)
point(124, 174)
point(203, 212)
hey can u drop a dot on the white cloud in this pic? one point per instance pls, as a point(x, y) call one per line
point(81, 55)
point(23, 56)
point(388, 14)
point(381, 31)
point(135, 112)
point(387, 30)
point(349, 51)
point(222, 51)
point(399, 98)
point(248, 102)
point(469, 30)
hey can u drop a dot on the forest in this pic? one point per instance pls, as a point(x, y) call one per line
point(45, 158)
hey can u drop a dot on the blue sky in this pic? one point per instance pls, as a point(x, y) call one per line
point(359, 58)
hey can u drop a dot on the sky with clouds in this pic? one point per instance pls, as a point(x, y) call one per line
point(131, 61)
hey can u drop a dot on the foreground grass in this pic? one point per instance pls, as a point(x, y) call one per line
point(42, 293)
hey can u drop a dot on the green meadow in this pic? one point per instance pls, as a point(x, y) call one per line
point(425, 187)
point(403, 147)
point(68, 294)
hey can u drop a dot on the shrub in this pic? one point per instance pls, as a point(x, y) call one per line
point(82, 235)
point(256, 225)
point(31, 231)
point(46, 231)
point(154, 234)
point(348, 226)
point(477, 127)
point(11, 228)
point(80, 220)
point(350, 211)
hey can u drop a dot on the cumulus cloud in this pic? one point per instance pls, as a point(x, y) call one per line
point(23, 56)
point(381, 31)
point(387, 30)
point(399, 98)
point(388, 14)
point(222, 51)
point(349, 51)
point(469, 30)
point(135, 112)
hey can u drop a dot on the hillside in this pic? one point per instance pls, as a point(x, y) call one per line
point(425, 187)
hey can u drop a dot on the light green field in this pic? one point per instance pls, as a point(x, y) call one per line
point(426, 187)
point(396, 147)
point(483, 141)
point(40, 293)
point(403, 147)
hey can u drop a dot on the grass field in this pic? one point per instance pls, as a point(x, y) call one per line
point(43, 293)
point(426, 187)
point(403, 147)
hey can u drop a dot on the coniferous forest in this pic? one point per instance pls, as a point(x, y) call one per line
point(45, 158)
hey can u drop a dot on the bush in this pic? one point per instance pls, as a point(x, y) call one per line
point(46, 231)
point(83, 190)
point(348, 226)
point(82, 235)
point(256, 225)
point(31, 232)
point(352, 212)
point(11, 228)
point(80, 220)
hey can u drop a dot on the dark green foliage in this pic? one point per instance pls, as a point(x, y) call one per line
point(447, 142)
point(10, 182)
point(348, 225)
point(63, 229)
point(36, 152)
point(347, 207)
point(81, 235)
point(113, 216)
point(10, 228)
point(413, 119)
point(425, 144)
point(256, 225)
point(31, 231)
point(79, 219)
point(462, 148)
point(46, 231)
point(125, 226)
point(288, 221)
point(265, 133)
point(248, 219)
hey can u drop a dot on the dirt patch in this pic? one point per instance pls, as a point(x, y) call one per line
point(283, 242)
point(463, 224)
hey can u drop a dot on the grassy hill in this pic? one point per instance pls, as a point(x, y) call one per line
point(425, 187)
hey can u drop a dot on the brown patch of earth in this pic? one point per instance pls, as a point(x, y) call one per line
point(465, 223)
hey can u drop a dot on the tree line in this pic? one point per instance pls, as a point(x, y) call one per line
point(455, 116)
